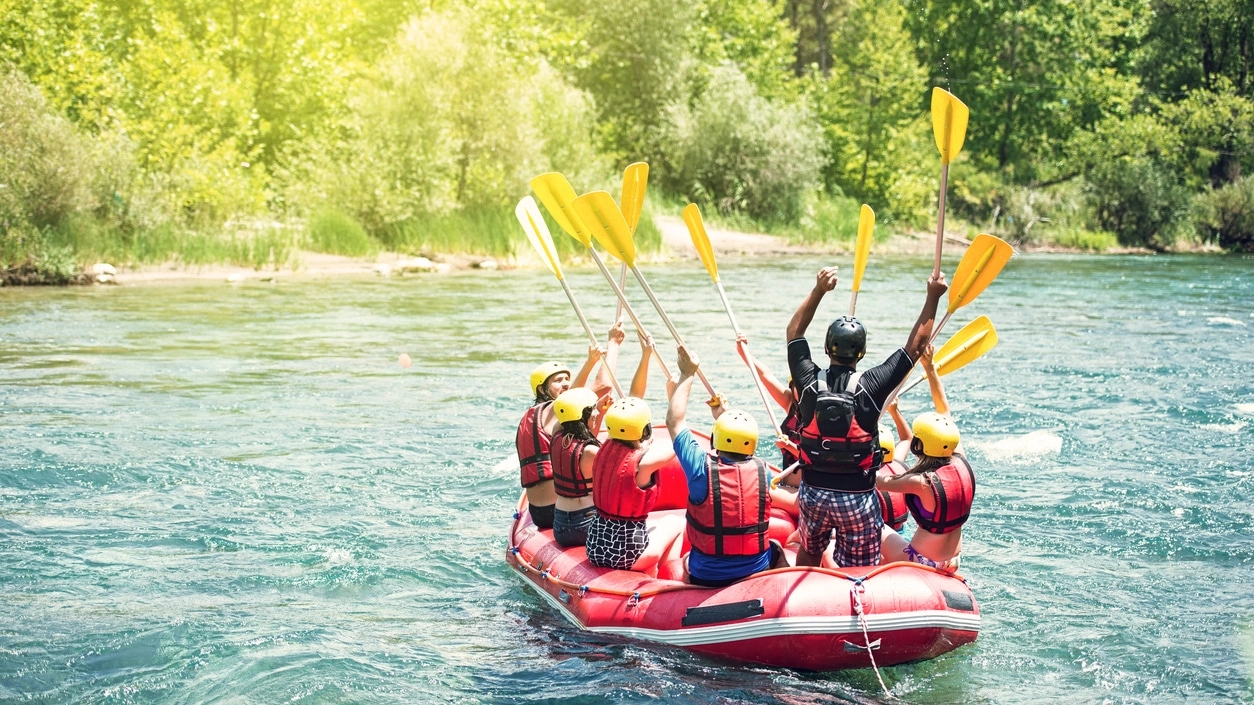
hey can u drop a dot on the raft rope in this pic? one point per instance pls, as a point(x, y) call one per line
point(858, 589)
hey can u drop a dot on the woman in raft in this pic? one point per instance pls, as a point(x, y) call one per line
point(574, 450)
point(539, 423)
point(784, 492)
point(939, 489)
point(624, 490)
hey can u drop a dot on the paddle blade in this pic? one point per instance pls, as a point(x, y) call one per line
point(605, 221)
point(557, 196)
point(980, 265)
point(701, 241)
point(537, 230)
point(635, 181)
point(949, 123)
point(970, 343)
point(862, 250)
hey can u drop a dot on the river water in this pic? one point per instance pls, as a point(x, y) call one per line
point(217, 493)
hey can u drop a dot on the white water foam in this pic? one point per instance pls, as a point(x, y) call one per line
point(1247, 409)
point(1028, 446)
point(508, 465)
point(1225, 321)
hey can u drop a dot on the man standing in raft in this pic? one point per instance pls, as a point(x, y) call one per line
point(729, 500)
point(839, 414)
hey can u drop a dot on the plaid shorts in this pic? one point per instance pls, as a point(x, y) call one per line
point(856, 516)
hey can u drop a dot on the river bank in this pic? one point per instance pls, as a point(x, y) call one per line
point(676, 245)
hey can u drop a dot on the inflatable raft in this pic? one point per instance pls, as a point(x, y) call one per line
point(804, 618)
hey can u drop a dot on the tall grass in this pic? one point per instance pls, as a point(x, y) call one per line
point(259, 246)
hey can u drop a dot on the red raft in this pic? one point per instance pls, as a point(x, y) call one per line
point(804, 618)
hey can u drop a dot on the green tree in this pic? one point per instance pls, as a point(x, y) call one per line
point(1032, 73)
point(869, 104)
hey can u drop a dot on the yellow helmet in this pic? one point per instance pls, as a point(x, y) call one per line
point(571, 403)
point(886, 442)
point(937, 433)
point(736, 432)
point(541, 374)
point(627, 418)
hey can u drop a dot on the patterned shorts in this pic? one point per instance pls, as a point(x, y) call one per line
point(616, 544)
point(856, 517)
point(949, 566)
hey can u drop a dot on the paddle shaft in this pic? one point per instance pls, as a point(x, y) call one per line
point(622, 300)
point(940, 218)
point(757, 381)
point(622, 284)
point(853, 302)
point(786, 472)
point(669, 326)
point(592, 338)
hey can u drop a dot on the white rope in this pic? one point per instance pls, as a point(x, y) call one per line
point(866, 637)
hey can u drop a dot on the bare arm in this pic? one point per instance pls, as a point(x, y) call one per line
point(610, 362)
point(581, 379)
point(921, 333)
point(657, 455)
point(641, 379)
point(778, 391)
point(903, 429)
point(934, 382)
point(905, 484)
point(677, 410)
point(825, 282)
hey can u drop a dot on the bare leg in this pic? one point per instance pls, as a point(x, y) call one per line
point(892, 546)
point(663, 537)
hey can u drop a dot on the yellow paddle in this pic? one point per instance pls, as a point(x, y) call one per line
point(968, 344)
point(949, 127)
point(631, 203)
point(599, 212)
point(558, 198)
point(861, 250)
point(537, 230)
point(980, 265)
point(701, 241)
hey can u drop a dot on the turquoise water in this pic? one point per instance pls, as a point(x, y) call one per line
point(216, 493)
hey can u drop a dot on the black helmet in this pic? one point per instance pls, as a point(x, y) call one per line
point(846, 339)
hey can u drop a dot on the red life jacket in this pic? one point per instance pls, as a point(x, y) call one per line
point(734, 517)
point(953, 488)
point(842, 455)
point(614, 490)
point(791, 428)
point(532, 443)
point(893, 503)
point(568, 479)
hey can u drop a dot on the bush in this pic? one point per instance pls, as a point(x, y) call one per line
point(45, 165)
point(738, 152)
point(1226, 215)
point(335, 232)
point(1081, 239)
point(829, 219)
point(1140, 200)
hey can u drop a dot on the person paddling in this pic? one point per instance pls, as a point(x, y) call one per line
point(729, 499)
point(839, 413)
point(624, 490)
point(939, 489)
